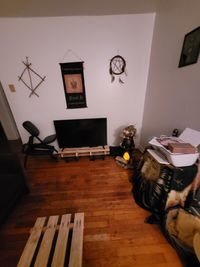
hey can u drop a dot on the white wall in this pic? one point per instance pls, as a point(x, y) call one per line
point(95, 40)
point(173, 94)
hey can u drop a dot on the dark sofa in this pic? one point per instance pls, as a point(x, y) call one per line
point(12, 183)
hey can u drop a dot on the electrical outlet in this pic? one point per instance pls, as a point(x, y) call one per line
point(12, 88)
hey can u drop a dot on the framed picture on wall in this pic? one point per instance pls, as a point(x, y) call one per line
point(74, 87)
point(73, 83)
point(191, 48)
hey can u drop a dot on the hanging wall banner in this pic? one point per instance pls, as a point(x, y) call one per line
point(74, 87)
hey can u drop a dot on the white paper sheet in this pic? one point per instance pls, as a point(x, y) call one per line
point(190, 136)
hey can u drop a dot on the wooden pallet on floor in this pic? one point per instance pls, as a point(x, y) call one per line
point(84, 151)
point(50, 244)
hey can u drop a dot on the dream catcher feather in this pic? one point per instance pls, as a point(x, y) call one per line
point(117, 67)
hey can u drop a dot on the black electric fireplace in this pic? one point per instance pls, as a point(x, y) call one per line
point(81, 132)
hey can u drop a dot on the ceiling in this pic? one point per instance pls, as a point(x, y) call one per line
point(48, 8)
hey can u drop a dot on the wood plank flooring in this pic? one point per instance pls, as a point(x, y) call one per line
point(115, 234)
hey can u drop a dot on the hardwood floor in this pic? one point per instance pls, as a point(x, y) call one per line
point(115, 234)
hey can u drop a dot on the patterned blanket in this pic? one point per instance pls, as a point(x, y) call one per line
point(172, 195)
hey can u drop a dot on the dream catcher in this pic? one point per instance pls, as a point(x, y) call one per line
point(117, 67)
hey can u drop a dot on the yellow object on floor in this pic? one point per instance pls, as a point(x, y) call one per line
point(126, 156)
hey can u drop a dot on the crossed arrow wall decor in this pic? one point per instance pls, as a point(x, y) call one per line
point(31, 72)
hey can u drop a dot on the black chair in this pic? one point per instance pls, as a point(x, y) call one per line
point(40, 148)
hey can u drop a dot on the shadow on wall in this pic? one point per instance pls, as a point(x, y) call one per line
point(117, 135)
